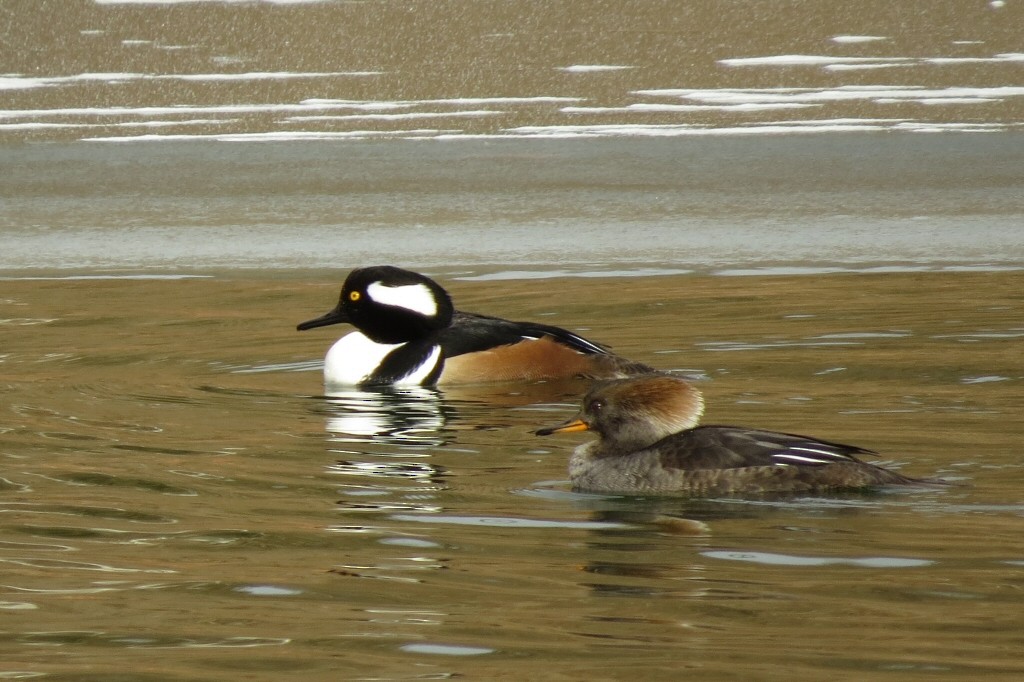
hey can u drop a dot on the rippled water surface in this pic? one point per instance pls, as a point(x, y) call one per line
point(812, 208)
point(174, 484)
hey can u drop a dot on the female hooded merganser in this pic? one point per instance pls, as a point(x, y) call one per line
point(649, 442)
point(409, 333)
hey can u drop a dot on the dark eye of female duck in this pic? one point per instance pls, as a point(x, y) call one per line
point(595, 406)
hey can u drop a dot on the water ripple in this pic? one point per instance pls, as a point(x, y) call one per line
point(509, 522)
point(446, 649)
point(84, 511)
point(94, 638)
point(57, 564)
point(110, 480)
point(773, 559)
point(410, 470)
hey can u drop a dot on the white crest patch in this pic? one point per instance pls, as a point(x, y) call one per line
point(415, 297)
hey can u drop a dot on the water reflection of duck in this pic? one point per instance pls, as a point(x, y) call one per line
point(649, 442)
point(409, 333)
point(406, 415)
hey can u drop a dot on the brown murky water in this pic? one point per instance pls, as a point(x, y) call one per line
point(173, 485)
point(738, 190)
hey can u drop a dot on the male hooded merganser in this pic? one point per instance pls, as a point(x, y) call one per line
point(649, 442)
point(409, 333)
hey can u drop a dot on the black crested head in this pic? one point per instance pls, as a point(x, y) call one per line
point(392, 305)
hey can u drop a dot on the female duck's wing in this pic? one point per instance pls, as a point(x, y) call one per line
point(728, 447)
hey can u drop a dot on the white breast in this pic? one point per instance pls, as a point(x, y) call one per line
point(354, 357)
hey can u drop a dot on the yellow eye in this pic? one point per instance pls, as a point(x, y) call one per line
point(354, 296)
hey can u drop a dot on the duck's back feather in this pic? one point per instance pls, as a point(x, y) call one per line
point(472, 333)
point(480, 348)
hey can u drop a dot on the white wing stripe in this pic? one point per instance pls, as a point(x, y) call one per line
point(829, 454)
point(579, 340)
point(583, 342)
point(800, 459)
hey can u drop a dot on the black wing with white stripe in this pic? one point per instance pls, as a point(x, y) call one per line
point(472, 333)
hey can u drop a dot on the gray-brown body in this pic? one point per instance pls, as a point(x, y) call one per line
point(649, 443)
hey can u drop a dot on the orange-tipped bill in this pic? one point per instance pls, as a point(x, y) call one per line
point(570, 426)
